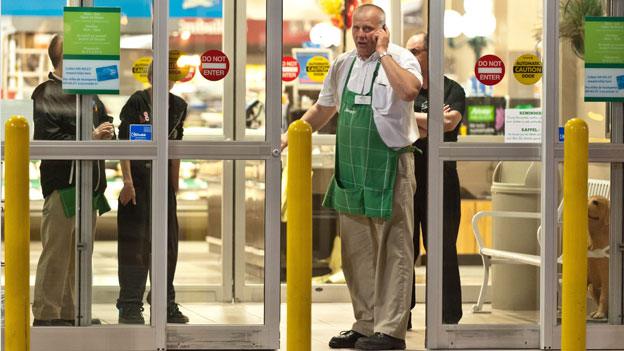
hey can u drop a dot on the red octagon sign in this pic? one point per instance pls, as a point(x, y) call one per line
point(214, 65)
point(490, 70)
point(290, 69)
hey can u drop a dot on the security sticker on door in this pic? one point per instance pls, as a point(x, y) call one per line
point(362, 99)
point(141, 132)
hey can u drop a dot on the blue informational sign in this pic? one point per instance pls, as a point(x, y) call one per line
point(303, 56)
point(561, 134)
point(141, 132)
point(130, 8)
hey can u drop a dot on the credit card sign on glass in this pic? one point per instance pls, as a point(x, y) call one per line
point(141, 132)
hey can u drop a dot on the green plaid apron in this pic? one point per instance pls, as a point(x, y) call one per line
point(365, 168)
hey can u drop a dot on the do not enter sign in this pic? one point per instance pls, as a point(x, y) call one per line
point(490, 70)
point(214, 65)
point(290, 69)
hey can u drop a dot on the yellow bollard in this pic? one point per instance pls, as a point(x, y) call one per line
point(574, 300)
point(17, 235)
point(299, 238)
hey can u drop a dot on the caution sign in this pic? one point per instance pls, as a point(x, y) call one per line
point(528, 69)
point(290, 69)
point(140, 68)
point(177, 71)
point(214, 65)
point(490, 70)
point(317, 68)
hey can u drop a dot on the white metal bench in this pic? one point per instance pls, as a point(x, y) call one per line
point(491, 256)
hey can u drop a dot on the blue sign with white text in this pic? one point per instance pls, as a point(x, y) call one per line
point(141, 132)
point(130, 8)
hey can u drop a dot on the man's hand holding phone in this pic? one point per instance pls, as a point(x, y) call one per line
point(382, 39)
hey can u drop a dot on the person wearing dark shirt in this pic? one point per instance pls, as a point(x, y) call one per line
point(55, 119)
point(134, 212)
point(454, 106)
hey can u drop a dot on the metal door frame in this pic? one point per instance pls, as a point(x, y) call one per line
point(158, 335)
point(546, 334)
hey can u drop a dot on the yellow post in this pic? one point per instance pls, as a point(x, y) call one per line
point(17, 235)
point(299, 238)
point(575, 224)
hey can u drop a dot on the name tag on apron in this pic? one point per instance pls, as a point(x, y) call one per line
point(363, 99)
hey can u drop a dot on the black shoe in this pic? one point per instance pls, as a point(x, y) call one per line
point(174, 315)
point(51, 323)
point(345, 340)
point(380, 341)
point(131, 314)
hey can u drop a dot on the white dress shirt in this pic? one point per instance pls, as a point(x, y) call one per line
point(393, 117)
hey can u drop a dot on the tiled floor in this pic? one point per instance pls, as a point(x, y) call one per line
point(327, 319)
point(197, 267)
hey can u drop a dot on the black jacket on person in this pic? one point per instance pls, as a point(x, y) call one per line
point(138, 110)
point(55, 119)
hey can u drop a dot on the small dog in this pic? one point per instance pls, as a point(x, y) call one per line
point(598, 267)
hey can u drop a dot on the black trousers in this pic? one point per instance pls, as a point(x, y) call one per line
point(134, 246)
point(451, 285)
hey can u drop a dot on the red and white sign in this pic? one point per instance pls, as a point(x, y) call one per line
point(214, 65)
point(290, 69)
point(190, 75)
point(490, 70)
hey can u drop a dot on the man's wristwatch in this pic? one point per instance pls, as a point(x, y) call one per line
point(385, 53)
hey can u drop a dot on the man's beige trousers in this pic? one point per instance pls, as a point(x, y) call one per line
point(54, 284)
point(378, 260)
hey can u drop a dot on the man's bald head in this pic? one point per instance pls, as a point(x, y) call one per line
point(419, 40)
point(418, 45)
point(370, 9)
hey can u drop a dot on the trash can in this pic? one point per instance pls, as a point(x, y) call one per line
point(515, 187)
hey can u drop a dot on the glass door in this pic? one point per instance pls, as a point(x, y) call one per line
point(232, 160)
point(196, 123)
point(508, 157)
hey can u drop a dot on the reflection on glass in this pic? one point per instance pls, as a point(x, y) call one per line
point(255, 69)
point(572, 79)
point(194, 29)
point(471, 31)
point(254, 221)
point(509, 291)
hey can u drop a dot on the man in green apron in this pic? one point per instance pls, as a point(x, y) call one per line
point(373, 186)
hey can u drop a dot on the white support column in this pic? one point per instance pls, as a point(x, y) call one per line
point(435, 334)
point(160, 172)
point(550, 179)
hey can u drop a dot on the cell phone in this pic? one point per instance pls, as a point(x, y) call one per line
point(384, 27)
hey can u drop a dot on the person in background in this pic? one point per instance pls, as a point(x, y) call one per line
point(55, 117)
point(373, 88)
point(134, 212)
point(454, 106)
